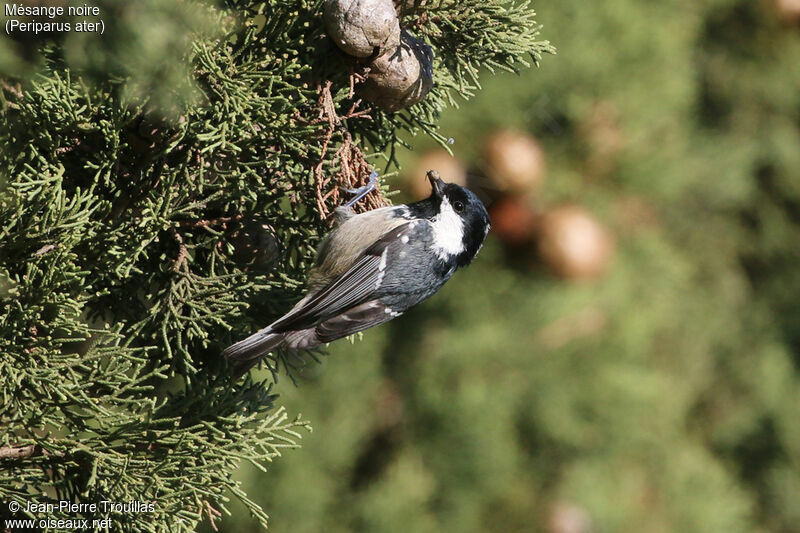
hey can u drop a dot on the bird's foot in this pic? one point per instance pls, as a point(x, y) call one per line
point(361, 192)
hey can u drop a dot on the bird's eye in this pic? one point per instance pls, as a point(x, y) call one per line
point(458, 206)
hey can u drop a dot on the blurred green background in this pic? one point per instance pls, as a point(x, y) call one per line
point(661, 394)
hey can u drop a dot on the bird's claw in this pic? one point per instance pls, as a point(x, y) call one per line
point(361, 192)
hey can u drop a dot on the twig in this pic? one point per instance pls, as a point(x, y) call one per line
point(353, 167)
point(212, 514)
point(355, 79)
point(182, 251)
point(11, 452)
point(210, 222)
point(327, 107)
point(364, 113)
point(16, 91)
point(44, 249)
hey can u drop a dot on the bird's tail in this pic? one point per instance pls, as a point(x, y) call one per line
point(246, 352)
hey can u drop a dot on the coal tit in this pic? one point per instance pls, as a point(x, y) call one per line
point(373, 267)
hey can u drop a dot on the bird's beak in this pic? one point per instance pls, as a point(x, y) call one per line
point(436, 183)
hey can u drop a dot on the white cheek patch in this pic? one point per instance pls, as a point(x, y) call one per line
point(448, 231)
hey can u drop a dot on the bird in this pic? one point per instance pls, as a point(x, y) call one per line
point(374, 266)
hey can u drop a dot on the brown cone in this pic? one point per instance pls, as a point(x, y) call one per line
point(513, 221)
point(574, 244)
point(401, 77)
point(362, 27)
point(515, 161)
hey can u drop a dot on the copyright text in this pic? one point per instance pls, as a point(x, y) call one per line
point(79, 515)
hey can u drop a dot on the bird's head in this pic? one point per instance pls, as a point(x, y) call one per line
point(460, 221)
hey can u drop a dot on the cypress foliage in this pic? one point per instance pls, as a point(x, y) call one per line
point(661, 396)
point(162, 188)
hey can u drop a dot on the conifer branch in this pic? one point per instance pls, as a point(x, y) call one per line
point(156, 206)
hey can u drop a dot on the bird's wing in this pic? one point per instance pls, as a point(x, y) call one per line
point(355, 286)
point(353, 320)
